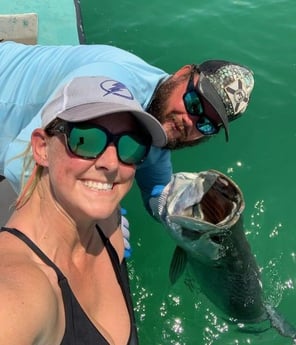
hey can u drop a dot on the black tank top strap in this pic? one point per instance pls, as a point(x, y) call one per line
point(112, 254)
point(123, 280)
point(35, 249)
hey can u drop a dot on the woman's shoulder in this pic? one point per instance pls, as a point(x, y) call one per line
point(27, 297)
point(20, 268)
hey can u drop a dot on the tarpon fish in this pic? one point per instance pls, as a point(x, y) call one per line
point(203, 214)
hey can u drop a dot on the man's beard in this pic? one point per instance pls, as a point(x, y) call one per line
point(158, 107)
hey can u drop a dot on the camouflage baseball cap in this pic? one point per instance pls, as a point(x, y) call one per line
point(227, 86)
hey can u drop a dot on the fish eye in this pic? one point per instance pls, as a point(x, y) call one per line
point(217, 238)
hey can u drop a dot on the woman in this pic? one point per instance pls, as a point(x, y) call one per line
point(62, 273)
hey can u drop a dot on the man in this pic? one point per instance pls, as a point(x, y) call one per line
point(192, 104)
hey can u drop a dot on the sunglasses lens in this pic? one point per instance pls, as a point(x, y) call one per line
point(89, 142)
point(131, 150)
point(193, 106)
point(86, 141)
point(192, 103)
point(205, 126)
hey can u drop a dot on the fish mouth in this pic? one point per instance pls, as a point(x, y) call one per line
point(217, 203)
point(201, 212)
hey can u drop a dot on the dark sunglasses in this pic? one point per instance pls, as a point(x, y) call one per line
point(89, 141)
point(193, 105)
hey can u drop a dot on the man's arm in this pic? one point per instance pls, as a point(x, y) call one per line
point(156, 170)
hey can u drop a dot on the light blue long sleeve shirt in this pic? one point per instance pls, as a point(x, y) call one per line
point(30, 74)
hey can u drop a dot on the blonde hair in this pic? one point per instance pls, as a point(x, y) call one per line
point(27, 187)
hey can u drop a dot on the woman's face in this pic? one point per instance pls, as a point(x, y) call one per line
point(90, 189)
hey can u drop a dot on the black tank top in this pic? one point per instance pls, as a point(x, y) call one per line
point(79, 329)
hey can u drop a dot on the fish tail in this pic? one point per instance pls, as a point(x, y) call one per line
point(279, 322)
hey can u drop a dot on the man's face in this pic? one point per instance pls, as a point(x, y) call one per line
point(169, 109)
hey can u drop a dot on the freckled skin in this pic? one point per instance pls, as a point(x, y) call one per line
point(67, 179)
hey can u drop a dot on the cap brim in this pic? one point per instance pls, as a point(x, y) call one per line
point(207, 90)
point(90, 111)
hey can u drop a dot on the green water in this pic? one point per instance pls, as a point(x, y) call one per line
point(259, 157)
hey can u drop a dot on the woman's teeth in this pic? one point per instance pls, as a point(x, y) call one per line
point(98, 185)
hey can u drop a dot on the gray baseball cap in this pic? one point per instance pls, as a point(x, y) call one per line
point(89, 97)
point(227, 86)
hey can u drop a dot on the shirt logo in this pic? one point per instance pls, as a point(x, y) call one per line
point(112, 87)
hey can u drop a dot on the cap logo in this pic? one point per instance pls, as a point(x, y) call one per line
point(112, 87)
point(238, 96)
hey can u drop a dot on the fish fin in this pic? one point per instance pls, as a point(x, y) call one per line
point(178, 264)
